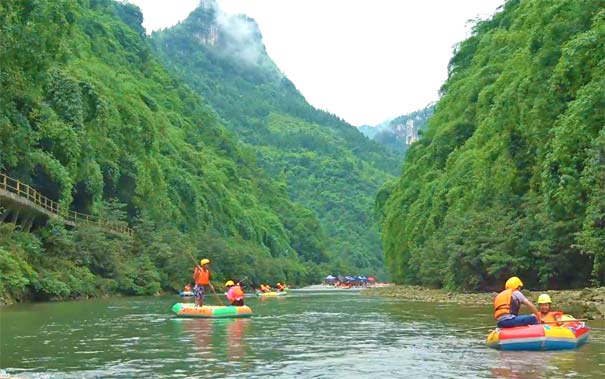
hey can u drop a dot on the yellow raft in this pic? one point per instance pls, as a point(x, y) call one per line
point(271, 294)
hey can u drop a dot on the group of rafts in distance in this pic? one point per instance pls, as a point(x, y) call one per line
point(234, 293)
point(542, 330)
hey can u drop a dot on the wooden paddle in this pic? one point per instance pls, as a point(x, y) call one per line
point(546, 322)
point(564, 321)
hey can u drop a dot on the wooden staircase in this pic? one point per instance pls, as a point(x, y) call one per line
point(20, 195)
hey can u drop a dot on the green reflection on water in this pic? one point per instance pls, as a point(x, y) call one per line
point(306, 334)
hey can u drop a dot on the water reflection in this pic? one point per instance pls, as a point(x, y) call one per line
point(271, 298)
point(216, 340)
point(236, 342)
point(534, 364)
point(201, 332)
point(302, 335)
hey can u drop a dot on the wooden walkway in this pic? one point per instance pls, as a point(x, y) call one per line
point(22, 195)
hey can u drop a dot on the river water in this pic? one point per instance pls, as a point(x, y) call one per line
point(309, 334)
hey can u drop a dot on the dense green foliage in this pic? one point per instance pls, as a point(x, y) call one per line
point(326, 163)
point(91, 119)
point(510, 176)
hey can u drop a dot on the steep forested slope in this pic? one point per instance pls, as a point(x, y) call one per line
point(327, 164)
point(91, 119)
point(510, 176)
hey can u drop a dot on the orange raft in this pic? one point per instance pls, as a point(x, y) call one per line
point(210, 311)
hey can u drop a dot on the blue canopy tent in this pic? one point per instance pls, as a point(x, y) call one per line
point(330, 279)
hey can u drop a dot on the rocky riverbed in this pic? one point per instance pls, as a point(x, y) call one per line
point(586, 303)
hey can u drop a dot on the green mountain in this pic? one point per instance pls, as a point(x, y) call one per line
point(401, 132)
point(91, 119)
point(509, 178)
point(327, 164)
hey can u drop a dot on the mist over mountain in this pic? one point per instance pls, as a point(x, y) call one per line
point(324, 163)
point(91, 119)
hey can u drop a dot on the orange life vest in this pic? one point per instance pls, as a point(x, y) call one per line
point(502, 303)
point(202, 277)
point(550, 317)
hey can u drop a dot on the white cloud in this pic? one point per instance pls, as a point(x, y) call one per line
point(158, 14)
point(243, 33)
point(365, 61)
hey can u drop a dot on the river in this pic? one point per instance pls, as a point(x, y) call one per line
point(309, 334)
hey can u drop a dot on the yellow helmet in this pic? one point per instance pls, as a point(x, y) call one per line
point(204, 261)
point(229, 283)
point(544, 299)
point(513, 283)
point(278, 283)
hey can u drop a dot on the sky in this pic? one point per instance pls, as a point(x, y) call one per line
point(366, 61)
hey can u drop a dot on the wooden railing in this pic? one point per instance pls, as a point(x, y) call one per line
point(27, 192)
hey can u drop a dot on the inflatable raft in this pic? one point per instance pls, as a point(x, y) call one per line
point(271, 294)
point(210, 311)
point(186, 294)
point(570, 335)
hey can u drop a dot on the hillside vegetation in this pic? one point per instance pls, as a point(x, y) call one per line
point(90, 118)
point(326, 164)
point(509, 178)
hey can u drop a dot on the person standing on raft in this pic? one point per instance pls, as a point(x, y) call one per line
point(235, 294)
point(507, 304)
point(201, 275)
point(548, 316)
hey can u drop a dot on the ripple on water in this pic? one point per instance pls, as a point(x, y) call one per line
point(318, 336)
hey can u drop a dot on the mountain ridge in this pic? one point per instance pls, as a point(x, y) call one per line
point(91, 118)
point(400, 132)
point(326, 162)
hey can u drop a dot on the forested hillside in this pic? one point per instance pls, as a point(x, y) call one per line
point(326, 163)
point(509, 178)
point(91, 119)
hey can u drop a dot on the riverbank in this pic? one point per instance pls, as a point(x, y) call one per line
point(586, 303)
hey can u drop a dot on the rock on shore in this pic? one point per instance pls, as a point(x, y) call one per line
point(587, 303)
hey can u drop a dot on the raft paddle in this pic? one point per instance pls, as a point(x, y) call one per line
point(564, 321)
point(215, 294)
point(210, 284)
point(545, 322)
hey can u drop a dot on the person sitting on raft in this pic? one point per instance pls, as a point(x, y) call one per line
point(548, 316)
point(201, 275)
point(280, 287)
point(264, 288)
point(235, 294)
point(507, 304)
